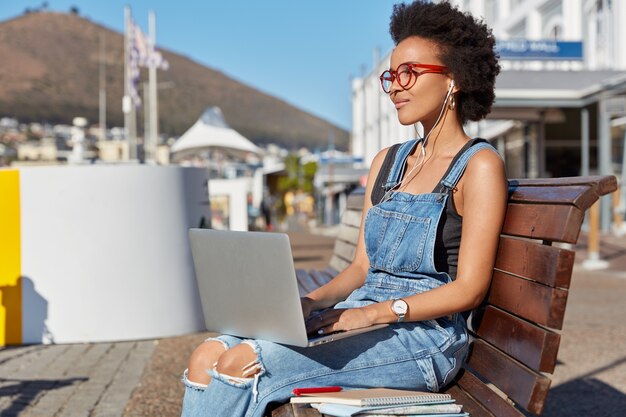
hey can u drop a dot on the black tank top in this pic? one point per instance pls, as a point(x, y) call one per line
point(448, 239)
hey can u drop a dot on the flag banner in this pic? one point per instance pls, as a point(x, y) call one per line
point(156, 60)
point(145, 51)
point(142, 53)
point(141, 45)
point(138, 53)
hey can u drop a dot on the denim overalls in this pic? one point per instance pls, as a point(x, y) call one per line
point(400, 234)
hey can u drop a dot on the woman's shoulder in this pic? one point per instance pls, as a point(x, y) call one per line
point(382, 154)
point(378, 160)
point(485, 166)
point(486, 158)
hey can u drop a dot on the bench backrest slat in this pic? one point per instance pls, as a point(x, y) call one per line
point(546, 264)
point(524, 386)
point(352, 218)
point(532, 345)
point(345, 245)
point(492, 402)
point(530, 300)
point(601, 184)
point(321, 277)
point(332, 272)
point(355, 199)
point(348, 234)
point(574, 195)
point(306, 284)
point(530, 221)
point(338, 264)
point(345, 250)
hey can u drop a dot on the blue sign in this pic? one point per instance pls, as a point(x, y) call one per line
point(325, 160)
point(539, 50)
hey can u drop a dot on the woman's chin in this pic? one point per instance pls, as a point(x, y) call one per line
point(407, 121)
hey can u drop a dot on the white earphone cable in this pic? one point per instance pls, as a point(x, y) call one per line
point(425, 140)
point(423, 145)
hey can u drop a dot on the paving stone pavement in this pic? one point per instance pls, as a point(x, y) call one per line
point(91, 379)
point(142, 378)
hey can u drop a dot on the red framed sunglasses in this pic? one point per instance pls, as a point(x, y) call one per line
point(407, 74)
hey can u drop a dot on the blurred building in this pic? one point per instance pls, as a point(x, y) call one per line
point(44, 150)
point(113, 150)
point(597, 24)
point(560, 99)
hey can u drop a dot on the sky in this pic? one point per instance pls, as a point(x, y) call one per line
point(302, 51)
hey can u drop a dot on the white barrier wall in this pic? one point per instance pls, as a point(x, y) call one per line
point(105, 254)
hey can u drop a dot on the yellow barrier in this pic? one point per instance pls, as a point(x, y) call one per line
point(10, 259)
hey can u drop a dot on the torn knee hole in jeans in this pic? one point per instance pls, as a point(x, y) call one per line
point(250, 373)
point(191, 384)
point(220, 341)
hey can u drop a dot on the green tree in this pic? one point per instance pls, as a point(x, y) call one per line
point(308, 174)
point(299, 177)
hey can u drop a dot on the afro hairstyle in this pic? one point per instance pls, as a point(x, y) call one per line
point(466, 47)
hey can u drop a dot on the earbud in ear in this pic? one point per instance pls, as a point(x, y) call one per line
point(451, 102)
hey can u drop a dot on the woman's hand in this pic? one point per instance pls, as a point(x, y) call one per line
point(336, 320)
point(307, 306)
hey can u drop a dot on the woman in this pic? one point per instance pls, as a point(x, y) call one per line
point(426, 248)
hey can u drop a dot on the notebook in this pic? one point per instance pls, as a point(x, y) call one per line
point(248, 287)
point(374, 397)
point(427, 410)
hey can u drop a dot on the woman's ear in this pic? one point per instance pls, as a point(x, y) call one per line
point(453, 87)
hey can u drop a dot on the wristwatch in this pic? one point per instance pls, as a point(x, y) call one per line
point(399, 307)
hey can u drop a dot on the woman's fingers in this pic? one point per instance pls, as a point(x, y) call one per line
point(323, 320)
point(346, 319)
point(328, 329)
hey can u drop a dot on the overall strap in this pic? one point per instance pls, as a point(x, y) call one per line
point(399, 164)
point(456, 172)
point(378, 190)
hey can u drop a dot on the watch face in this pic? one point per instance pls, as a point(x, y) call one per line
point(399, 307)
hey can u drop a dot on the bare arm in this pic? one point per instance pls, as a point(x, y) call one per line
point(484, 206)
point(354, 275)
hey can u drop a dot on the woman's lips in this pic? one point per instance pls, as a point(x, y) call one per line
point(400, 103)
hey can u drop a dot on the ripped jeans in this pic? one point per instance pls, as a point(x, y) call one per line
point(417, 355)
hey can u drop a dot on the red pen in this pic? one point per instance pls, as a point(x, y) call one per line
point(316, 390)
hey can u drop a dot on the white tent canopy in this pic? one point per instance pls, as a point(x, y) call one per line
point(211, 132)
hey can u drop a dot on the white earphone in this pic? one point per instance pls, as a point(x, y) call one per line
point(423, 144)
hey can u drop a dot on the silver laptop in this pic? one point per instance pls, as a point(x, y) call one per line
point(248, 287)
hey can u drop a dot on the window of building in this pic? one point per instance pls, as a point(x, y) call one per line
point(491, 11)
point(515, 3)
point(599, 16)
point(518, 31)
point(555, 33)
point(552, 19)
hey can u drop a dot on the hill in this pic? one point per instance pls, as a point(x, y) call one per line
point(49, 72)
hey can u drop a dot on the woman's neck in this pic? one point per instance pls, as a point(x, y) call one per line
point(446, 137)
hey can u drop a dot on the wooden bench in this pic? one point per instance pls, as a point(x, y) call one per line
point(514, 343)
